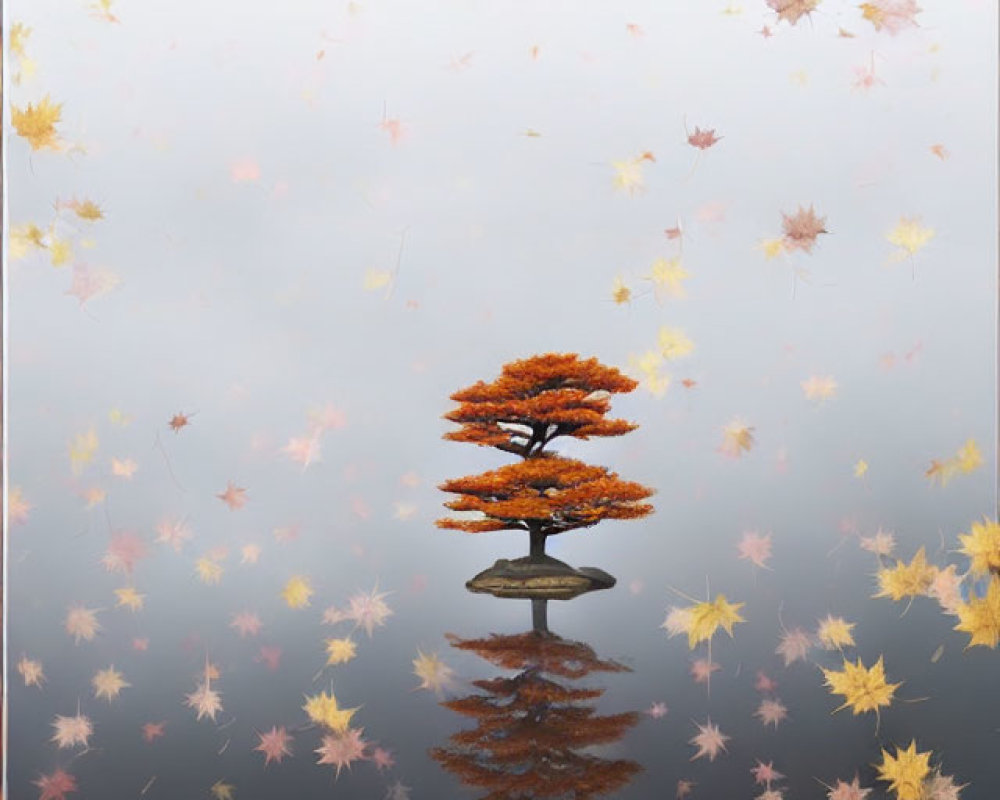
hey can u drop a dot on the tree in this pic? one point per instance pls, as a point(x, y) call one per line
point(533, 728)
point(533, 402)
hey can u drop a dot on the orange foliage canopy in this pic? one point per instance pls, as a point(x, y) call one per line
point(534, 401)
point(537, 399)
point(550, 495)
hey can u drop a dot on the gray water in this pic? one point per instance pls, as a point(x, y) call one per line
point(244, 161)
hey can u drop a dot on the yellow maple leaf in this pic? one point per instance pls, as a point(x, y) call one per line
point(628, 175)
point(968, 457)
point(909, 236)
point(24, 238)
point(60, 251)
point(772, 247)
point(324, 710)
point(377, 279)
point(860, 468)
point(19, 33)
point(906, 580)
point(208, 570)
point(297, 592)
point(863, 688)
point(620, 293)
point(340, 651)
point(666, 275)
point(906, 772)
point(37, 123)
point(221, 790)
point(980, 617)
point(737, 437)
point(82, 449)
point(819, 388)
point(432, 671)
point(982, 546)
point(835, 633)
point(130, 598)
point(704, 619)
point(673, 343)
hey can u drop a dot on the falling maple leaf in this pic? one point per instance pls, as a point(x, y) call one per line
point(792, 10)
point(620, 293)
point(882, 543)
point(847, 791)
point(864, 688)
point(368, 610)
point(940, 151)
point(946, 588)
point(72, 731)
point(124, 550)
point(980, 617)
point(892, 16)
point(56, 785)
point(982, 546)
point(269, 656)
point(834, 633)
point(222, 791)
point(244, 171)
point(771, 711)
point(123, 468)
point(909, 236)
point(303, 450)
point(860, 468)
point(234, 496)
point(703, 139)
point(101, 9)
point(817, 388)
point(152, 731)
point(208, 570)
point(657, 710)
point(108, 683)
point(737, 438)
point(297, 592)
point(205, 700)
point(340, 651)
point(666, 275)
point(89, 283)
point(31, 671)
point(17, 506)
point(673, 343)
point(81, 623)
point(628, 174)
point(434, 674)
point(906, 772)
point(82, 450)
point(37, 123)
point(129, 598)
point(709, 740)
point(324, 710)
point(275, 744)
point(343, 749)
point(772, 247)
point(764, 683)
point(647, 369)
point(246, 623)
point(802, 228)
point(765, 773)
point(178, 421)
point(755, 548)
point(702, 620)
point(702, 668)
point(173, 533)
point(250, 553)
point(794, 646)
point(906, 580)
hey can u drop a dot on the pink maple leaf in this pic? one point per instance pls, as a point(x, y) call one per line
point(303, 450)
point(702, 669)
point(657, 710)
point(765, 773)
point(847, 791)
point(794, 646)
point(709, 740)
point(771, 711)
point(755, 548)
point(56, 785)
point(342, 750)
point(792, 10)
point(382, 758)
point(152, 731)
point(90, 283)
point(274, 744)
point(246, 623)
point(234, 496)
point(124, 550)
point(269, 656)
point(395, 128)
point(764, 683)
point(891, 15)
point(173, 533)
point(244, 171)
point(802, 228)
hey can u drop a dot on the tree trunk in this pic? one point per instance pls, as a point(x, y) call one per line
point(537, 543)
point(539, 615)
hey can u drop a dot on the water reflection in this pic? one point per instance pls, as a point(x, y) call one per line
point(536, 732)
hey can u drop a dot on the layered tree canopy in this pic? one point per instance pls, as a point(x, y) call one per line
point(533, 402)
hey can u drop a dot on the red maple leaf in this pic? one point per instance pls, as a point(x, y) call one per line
point(234, 496)
point(178, 421)
point(269, 656)
point(152, 731)
point(703, 139)
point(56, 785)
point(802, 228)
point(124, 550)
point(274, 744)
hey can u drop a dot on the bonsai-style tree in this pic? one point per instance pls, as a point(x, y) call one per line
point(533, 728)
point(533, 402)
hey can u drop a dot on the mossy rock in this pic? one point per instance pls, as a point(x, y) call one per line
point(538, 577)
